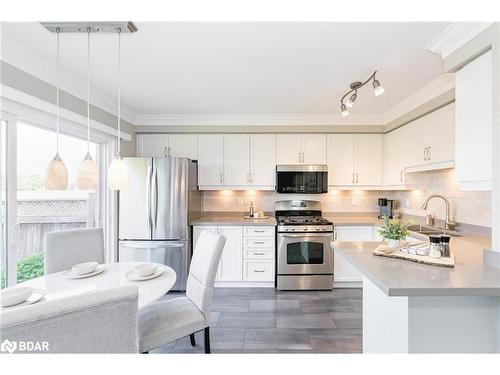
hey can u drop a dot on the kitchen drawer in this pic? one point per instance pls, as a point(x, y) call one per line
point(258, 253)
point(255, 270)
point(267, 231)
point(258, 242)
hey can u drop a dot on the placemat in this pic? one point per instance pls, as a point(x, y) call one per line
point(384, 251)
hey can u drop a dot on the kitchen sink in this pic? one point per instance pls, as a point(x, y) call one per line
point(428, 231)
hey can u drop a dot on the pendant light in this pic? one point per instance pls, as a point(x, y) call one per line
point(87, 176)
point(57, 174)
point(118, 170)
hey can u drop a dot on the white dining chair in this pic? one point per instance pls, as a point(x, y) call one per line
point(94, 322)
point(166, 321)
point(65, 248)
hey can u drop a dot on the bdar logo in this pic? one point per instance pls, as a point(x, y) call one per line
point(8, 346)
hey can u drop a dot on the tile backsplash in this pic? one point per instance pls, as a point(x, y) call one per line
point(471, 207)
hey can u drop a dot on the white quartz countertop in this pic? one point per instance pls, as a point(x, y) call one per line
point(232, 220)
point(395, 277)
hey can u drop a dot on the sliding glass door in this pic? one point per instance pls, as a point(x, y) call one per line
point(3, 203)
point(40, 210)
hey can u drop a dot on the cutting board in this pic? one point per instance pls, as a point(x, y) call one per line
point(383, 250)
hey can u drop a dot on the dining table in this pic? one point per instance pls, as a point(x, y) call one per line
point(57, 285)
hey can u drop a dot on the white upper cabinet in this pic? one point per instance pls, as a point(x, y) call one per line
point(236, 159)
point(183, 146)
point(152, 145)
point(263, 160)
point(289, 148)
point(354, 159)
point(416, 133)
point(159, 145)
point(430, 140)
point(341, 154)
point(368, 163)
point(301, 148)
point(473, 133)
point(210, 159)
point(394, 157)
point(314, 148)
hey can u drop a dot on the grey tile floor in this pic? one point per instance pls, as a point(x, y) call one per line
point(265, 320)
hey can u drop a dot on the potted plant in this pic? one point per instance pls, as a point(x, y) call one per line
point(394, 231)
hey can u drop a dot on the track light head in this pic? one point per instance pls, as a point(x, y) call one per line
point(352, 99)
point(343, 110)
point(378, 89)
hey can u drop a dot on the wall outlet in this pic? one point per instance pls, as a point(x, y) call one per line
point(241, 201)
point(407, 202)
point(354, 201)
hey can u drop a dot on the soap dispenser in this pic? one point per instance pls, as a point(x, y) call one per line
point(252, 210)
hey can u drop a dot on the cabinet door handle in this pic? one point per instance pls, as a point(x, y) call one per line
point(401, 175)
point(165, 151)
point(357, 178)
point(221, 179)
point(168, 150)
point(429, 154)
point(353, 178)
point(259, 271)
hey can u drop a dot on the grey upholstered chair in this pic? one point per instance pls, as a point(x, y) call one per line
point(65, 248)
point(94, 322)
point(165, 321)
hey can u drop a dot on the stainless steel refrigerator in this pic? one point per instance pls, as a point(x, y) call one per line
point(155, 211)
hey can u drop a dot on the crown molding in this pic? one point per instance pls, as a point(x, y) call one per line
point(455, 36)
point(437, 87)
point(21, 58)
point(257, 119)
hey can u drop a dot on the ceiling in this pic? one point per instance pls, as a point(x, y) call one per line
point(247, 68)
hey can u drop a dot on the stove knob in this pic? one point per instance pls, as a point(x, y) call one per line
point(305, 229)
point(318, 228)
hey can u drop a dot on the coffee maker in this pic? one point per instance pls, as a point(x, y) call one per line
point(386, 208)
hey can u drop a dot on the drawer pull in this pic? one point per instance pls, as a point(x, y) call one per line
point(259, 271)
point(259, 231)
point(259, 242)
point(259, 253)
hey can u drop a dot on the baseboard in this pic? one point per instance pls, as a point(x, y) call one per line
point(347, 284)
point(244, 284)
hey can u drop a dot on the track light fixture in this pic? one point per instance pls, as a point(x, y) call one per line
point(353, 92)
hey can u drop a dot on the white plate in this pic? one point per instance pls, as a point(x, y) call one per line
point(132, 276)
point(36, 296)
point(69, 274)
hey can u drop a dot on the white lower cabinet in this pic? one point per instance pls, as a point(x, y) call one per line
point(344, 272)
point(248, 255)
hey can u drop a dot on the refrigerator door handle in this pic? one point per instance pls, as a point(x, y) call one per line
point(155, 204)
point(148, 197)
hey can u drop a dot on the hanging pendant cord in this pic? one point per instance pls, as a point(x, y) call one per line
point(88, 91)
point(119, 88)
point(58, 30)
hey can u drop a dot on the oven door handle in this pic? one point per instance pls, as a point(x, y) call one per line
point(306, 235)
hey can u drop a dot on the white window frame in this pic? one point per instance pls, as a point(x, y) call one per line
point(73, 125)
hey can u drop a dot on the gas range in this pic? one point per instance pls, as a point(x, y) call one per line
point(304, 257)
point(303, 224)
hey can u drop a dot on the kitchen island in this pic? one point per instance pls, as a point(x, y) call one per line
point(416, 308)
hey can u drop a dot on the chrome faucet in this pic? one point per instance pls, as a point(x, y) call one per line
point(448, 223)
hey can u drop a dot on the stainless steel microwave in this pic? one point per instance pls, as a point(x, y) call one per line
point(302, 179)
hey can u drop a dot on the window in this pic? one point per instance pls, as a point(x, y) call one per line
point(39, 210)
point(3, 203)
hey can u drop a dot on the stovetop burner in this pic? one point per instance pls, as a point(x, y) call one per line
point(303, 220)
